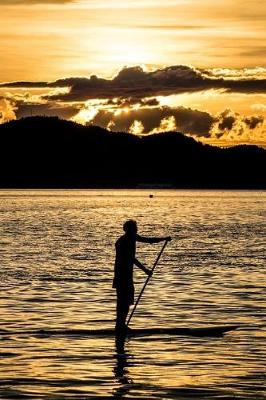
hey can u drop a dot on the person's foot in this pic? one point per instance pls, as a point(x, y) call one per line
point(123, 330)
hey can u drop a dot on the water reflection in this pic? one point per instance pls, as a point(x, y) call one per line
point(121, 369)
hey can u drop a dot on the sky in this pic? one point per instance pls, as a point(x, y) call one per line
point(144, 66)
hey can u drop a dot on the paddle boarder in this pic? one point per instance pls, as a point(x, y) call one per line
point(123, 271)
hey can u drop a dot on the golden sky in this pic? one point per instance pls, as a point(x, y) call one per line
point(54, 40)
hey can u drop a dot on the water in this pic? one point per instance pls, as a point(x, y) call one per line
point(57, 254)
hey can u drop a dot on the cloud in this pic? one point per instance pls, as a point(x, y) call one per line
point(128, 102)
point(253, 121)
point(156, 119)
point(7, 111)
point(229, 126)
point(31, 103)
point(136, 128)
point(26, 84)
point(226, 121)
point(167, 124)
point(236, 73)
point(134, 82)
point(144, 116)
point(230, 121)
point(24, 105)
point(259, 107)
point(48, 109)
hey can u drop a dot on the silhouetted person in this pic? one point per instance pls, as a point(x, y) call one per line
point(123, 274)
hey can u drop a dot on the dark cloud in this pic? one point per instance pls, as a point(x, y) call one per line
point(134, 82)
point(253, 121)
point(149, 102)
point(24, 110)
point(245, 85)
point(186, 120)
point(227, 121)
point(26, 84)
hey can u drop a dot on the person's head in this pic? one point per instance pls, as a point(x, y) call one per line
point(130, 227)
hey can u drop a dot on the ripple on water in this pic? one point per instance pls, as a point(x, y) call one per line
point(57, 255)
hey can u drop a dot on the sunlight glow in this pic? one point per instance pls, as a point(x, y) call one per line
point(136, 128)
point(167, 124)
point(127, 51)
point(85, 115)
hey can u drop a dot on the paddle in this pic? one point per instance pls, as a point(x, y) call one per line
point(146, 283)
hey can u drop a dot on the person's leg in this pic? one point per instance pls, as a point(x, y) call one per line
point(122, 308)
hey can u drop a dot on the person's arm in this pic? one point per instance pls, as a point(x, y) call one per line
point(152, 239)
point(141, 266)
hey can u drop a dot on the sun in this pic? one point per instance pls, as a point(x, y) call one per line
point(127, 50)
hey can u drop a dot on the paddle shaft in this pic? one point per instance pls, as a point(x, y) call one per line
point(146, 283)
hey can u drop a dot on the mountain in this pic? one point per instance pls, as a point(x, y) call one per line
point(46, 152)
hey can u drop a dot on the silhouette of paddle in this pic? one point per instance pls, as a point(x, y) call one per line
point(146, 283)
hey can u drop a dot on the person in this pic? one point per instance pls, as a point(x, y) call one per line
point(123, 271)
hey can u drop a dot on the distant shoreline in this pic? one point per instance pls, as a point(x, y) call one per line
point(61, 189)
point(49, 153)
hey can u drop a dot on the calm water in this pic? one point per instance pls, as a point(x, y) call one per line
point(57, 254)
